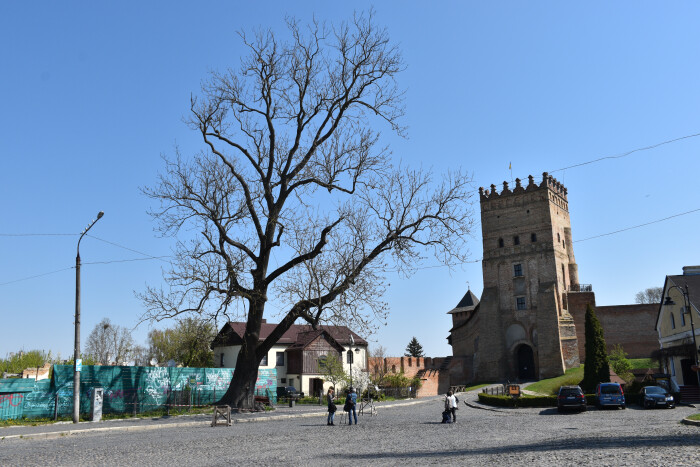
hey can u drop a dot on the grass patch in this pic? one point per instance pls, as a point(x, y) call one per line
point(476, 386)
point(642, 363)
point(695, 416)
point(572, 377)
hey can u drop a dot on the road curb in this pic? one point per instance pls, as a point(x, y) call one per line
point(687, 421)
point(64, 433)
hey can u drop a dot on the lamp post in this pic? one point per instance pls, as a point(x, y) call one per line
point(352, 356)
point(77, 363)
point(686, 303)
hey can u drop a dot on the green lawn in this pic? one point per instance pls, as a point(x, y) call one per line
point(695, 416)
point(476, 386)
point(642, 363)
point(572, 377)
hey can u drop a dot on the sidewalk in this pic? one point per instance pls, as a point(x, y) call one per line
point(59, 429)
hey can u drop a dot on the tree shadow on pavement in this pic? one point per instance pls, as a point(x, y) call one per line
point(578, 443)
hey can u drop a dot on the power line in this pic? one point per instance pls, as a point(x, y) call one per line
point(126, 248)
point(38, 275)
point(37, 235)
point(638, 226)
point(646, 148)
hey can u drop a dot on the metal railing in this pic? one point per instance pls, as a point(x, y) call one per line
point(580, 288)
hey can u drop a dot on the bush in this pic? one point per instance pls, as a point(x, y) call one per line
point(523, 401)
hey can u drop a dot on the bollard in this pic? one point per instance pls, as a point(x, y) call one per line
point(291, 402)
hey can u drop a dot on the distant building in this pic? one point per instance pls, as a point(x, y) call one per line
point(298, 353)
point(37, 373)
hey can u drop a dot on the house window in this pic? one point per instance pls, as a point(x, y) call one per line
point(500, 243)
point(221, 361)
point(516, 240)
point(520, 303)
point(682, 316)
point(280, 358)
point(533, 237)
point(350, 357)
point(263, 362)
point(673, 322)
point(517, 270)
point(283, 380)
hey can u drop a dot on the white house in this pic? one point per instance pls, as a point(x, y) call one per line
point(297, 354)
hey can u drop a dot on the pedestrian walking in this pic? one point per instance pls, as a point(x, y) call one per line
point(350, 403)
point(450, 407)
point(331, 406)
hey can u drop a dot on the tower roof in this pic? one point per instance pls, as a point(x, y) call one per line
point(468, 303)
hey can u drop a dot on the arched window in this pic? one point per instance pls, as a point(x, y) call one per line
point(500, 243)
point(673, 322)
point(350, 357)
point(516, 240)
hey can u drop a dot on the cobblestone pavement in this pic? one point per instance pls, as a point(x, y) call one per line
point(406, 434)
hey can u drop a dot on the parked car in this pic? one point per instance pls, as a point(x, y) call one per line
point(288, 392)
point(657, 396)
point(571, 397)
point(610, 394)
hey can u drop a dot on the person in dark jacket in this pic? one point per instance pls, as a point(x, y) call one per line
point(331, 406)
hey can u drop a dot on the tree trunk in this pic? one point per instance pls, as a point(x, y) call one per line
point(241, 392)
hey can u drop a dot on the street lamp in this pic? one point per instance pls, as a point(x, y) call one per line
point(77, 363)
point(686, 302)
point(352, 357)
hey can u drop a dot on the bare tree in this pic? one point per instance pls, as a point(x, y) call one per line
point(650, 295)
point(109, 343)
point(292, 165)
point(378, 370)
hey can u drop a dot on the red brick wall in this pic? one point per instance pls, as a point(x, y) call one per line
point(632, 326)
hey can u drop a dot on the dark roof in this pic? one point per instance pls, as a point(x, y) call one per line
point(232, 332)
point(305, 338)
point(468, 303)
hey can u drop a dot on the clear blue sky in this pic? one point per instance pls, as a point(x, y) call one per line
point(92, 93)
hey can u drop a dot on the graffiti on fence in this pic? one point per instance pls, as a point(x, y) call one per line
point(13, 400)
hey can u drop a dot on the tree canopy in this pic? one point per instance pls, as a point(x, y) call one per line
point(187, 343)
point(414, 349)
point(294, 198)
point(649, 295)
point(596, 368)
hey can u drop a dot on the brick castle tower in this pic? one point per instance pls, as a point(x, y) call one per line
point(521, 328)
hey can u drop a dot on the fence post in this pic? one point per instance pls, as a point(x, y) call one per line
point(55, 409)
point(135, 399)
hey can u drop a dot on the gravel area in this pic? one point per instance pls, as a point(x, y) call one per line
point(404, 434)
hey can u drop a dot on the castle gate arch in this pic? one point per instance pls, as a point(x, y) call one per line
point(525, 361)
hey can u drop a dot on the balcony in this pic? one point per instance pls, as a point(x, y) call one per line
point(580, 288)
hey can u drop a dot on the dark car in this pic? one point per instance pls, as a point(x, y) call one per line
point(656, 396)
point(571, 397)
point(610, 394)
point(287, 391)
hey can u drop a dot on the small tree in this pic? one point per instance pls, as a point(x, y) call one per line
point(378, 371)
point(620, 365)
point(332, 371)
point(596, 369)
point(650, 295)
point(188, 343)
point(414, 349)
point(109, 343)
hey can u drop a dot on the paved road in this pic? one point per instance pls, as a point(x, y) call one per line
point(407, 434)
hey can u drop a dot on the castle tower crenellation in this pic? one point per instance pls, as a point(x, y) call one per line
point(555, 187)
